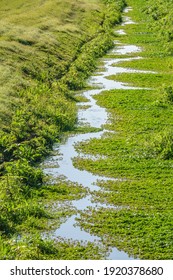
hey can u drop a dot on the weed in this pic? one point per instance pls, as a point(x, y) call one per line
point(139, 154)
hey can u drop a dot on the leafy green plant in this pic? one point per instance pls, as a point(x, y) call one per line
point(44, 59)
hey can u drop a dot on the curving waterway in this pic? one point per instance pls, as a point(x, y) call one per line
point(91, 114)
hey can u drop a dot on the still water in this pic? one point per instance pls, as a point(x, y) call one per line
point(97, 117)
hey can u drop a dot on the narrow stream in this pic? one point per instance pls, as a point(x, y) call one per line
point(95, 116)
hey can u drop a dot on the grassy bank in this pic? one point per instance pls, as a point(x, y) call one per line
point(140, 153)
point(46, 54)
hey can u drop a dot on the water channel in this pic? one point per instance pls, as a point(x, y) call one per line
point(95, 116)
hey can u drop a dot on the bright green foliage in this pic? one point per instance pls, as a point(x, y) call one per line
point(140, 233)
point(143, 80)
point(162, 21)
point(48, 49)
point(34, 248)
point(139, 154)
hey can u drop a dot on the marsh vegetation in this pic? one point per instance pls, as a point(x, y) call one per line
point(46, 56)
point(139, 153)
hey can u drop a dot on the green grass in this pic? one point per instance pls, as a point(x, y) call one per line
point(143, 80)
point(35, 248)
point(151, 64)
point(47, 49)
point(140, 151)
point(45, 57)
point(33, 44)
point(142, 234)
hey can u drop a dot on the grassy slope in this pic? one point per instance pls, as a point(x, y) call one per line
point(35, 40)
point(141, 151)
point(48, 49)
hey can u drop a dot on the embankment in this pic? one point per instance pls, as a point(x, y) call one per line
point(46, 54)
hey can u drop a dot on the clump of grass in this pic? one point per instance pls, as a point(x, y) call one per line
point(158, 64)
point(143, 80)
point(34, 248)
point(163, 144)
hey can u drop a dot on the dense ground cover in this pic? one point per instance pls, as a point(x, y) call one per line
point(46, 54)
point(140, 152)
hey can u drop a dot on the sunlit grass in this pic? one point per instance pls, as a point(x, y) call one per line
point(31, 31)
point(139, 154)
point(145, 80)
point(47, 50)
